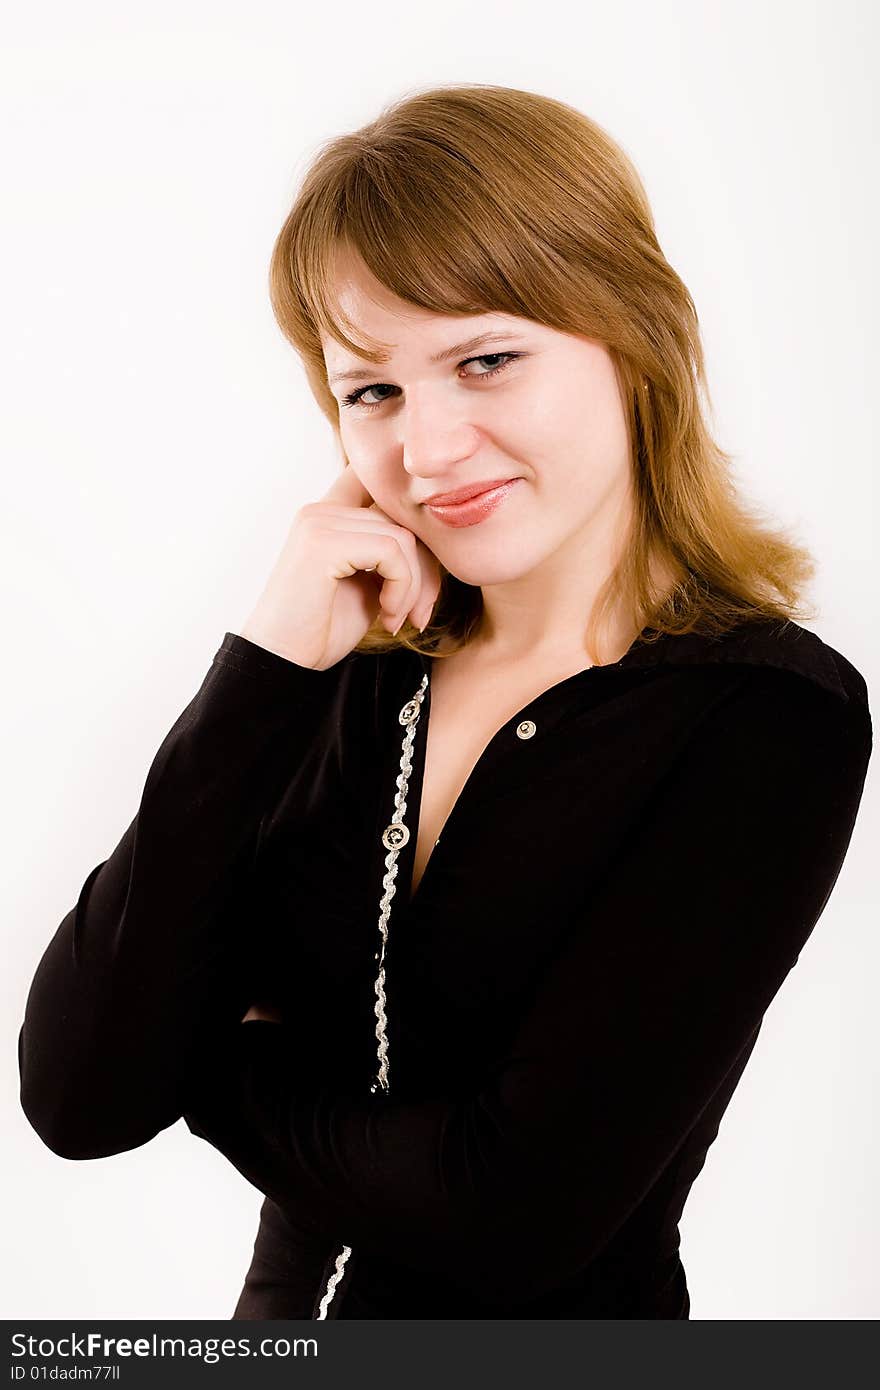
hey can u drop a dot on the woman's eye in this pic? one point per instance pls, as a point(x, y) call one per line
point(358, 397)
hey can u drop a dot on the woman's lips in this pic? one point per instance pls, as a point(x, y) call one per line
point(475, 508)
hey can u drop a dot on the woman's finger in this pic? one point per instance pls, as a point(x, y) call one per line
point(348, 491)
point(394, 560)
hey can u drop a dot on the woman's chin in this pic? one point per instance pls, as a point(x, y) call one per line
point(483, 570)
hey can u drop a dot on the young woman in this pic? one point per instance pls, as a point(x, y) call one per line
point(457, 894)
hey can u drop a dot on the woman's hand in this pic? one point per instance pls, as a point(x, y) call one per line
point(320, 598)
point(263, 1011)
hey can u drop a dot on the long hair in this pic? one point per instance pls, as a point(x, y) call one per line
point(467, 199)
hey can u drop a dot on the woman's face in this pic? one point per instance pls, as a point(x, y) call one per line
point(530, 404)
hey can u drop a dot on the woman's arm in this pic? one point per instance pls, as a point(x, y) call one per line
point(631, 1030)
point(145, 967)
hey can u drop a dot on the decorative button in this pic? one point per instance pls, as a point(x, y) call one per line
point(409, 712)
point(395, 835)
point(526, 729)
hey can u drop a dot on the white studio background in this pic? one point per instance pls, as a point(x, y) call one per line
point(158, 435)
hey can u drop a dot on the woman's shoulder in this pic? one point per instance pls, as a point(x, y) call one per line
point(788, 646)
point(767, 645)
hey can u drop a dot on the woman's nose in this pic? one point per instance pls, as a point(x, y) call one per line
point(435, 434)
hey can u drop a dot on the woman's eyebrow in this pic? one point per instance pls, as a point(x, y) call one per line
point(494, 334)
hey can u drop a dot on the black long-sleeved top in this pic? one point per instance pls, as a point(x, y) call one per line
point(572, 994)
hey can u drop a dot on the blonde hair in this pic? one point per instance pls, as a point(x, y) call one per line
point(468, 199)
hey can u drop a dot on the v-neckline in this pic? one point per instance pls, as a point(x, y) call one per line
point(756, 641)
point(417, 776)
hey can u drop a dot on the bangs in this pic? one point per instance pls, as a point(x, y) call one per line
point(426, 227)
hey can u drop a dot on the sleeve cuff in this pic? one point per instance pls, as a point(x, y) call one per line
point(253, 660)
